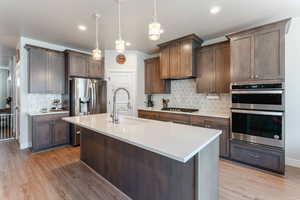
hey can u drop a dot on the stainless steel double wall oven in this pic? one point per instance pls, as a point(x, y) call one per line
point(257, 113)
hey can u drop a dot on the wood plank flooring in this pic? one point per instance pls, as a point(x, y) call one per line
point(59, 175)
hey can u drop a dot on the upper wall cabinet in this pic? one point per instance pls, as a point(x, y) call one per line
point(153, 83)
point(258, 53)
point(46, 70)
point(177, 57)
point(213, 68)
point(82, 65)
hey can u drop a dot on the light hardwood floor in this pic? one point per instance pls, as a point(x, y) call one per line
point(58, 174)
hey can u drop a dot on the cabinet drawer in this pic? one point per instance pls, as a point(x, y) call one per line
point(261, 156)
point(176, 118)
point(209, 122)
point(50, 117)
point(147, 114)
point(197, 120)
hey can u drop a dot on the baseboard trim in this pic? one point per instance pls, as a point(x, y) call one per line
point(292, 162)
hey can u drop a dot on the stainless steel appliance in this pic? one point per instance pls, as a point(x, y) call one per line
point(87, 96)
point(261, 127)
point(268, 96)
point(257, 113)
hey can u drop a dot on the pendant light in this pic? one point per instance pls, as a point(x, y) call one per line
point(97, 54)
point(120, 43)
point(155, 27)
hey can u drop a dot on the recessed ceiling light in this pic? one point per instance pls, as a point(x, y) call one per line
point(215, 10)
point(128, 43)
point(82, 28)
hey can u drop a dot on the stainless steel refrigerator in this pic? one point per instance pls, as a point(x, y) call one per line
point(87, 96)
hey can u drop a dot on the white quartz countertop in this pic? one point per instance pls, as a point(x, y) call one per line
point(200, 113)
point(176, 141)
point(48, 113)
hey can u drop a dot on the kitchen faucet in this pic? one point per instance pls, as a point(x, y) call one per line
point(114, 115)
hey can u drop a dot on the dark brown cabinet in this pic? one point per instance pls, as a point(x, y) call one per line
point(37, 70)
point(258, 53)
point(56, 73)
point(177, 57)
point(48, 131)
point(175, 118)
point(195, 120)
point(164, 62)
point(153, 83)
point(265, 157)
point(83, 65)
point(43, 139)
point(77, 64)
point(216, 123)
point(60, 135)
point(46, 69)
point(148, 115)
point(213, 68)
point(96, 68)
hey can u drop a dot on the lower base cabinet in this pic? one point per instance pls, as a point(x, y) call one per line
point(216, 123)
point(261, 156)
point(49, 131)
point(195, 120)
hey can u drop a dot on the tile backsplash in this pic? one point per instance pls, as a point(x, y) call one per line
point(38, 101)
point(183, 94)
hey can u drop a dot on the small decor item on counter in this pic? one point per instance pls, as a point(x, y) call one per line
point(8, 102)
point(165, 103)
point(149, 102)
point(56, 103)
point(121, 59)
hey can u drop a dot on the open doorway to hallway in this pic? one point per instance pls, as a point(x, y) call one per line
point(7, 95)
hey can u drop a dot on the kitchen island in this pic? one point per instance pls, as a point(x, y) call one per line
point(151, 160)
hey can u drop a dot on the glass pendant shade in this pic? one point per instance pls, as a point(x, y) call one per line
point(96, 54)
point(120, 45)
point(154, 31)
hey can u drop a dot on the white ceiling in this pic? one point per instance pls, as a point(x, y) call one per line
point(56, 20)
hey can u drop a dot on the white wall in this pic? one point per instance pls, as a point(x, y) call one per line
point(134, 63)
point(293, 94)
point(31, 102)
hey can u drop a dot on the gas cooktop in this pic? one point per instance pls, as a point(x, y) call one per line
point(188, 110)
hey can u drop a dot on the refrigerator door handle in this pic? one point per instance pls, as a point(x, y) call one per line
point(92, 97)
point(95, 98)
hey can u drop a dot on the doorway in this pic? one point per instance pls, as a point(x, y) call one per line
point(7, 131)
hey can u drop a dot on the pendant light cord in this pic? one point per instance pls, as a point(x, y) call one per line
point(97, 41)
point(155, 11)
point(119, 5)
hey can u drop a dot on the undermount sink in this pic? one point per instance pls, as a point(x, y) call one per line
point(130, 121)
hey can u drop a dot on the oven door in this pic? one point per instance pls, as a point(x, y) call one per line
point(262, 127)
point(258, 99)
